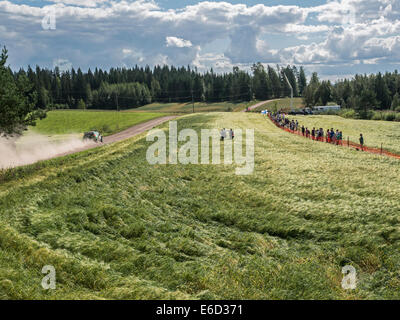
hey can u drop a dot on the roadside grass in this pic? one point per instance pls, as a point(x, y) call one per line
point(116, 227)
point(75, 121)
point(281, 104)
point(198, 107)
point(375, 132)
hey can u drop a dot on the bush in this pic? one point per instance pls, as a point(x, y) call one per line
point(377, 116)
point(389, 116)
point(58, 106)
point(348, 113)
point(398, 109)
point(369, 115)
point(81, 105)
point(330, 112)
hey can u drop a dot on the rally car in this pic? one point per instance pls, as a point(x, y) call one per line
point(93, 135)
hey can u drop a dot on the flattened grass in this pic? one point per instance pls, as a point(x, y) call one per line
point(116, 227)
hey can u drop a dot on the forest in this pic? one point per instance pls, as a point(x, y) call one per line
point(125, 88)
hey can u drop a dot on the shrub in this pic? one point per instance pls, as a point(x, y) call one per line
point(58, 106)
point(331, 112)
point(348, 113)
point(369, 115)
point(389, 116)
point(81, 105)
point(377, 116)
point(397, 117)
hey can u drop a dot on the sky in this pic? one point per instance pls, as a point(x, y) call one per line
point(336, 38)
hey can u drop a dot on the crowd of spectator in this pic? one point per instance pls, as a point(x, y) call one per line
point(329, 136)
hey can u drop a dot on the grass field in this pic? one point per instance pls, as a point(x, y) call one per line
point(374, 132)
point(115, 227)
point(281, 104)
point(198, 107)
point(75, 121)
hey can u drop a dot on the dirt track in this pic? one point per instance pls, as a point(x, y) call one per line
point(128, 133)
point(260, 104)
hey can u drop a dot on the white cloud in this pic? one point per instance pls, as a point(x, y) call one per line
point(82, 3)
point(62, 64)
point(178, 42)
point(111, 32)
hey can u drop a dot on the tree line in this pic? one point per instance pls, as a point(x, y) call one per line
point(362, 93)
point(122, 88)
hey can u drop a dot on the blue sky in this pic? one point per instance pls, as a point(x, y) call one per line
point(336, 38)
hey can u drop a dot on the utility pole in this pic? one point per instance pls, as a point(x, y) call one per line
point(116, 100)
point(290, 86)
point(193, 101)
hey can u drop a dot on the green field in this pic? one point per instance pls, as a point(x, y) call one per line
point(115, 227)
point(374, 132)
point(281, 104)
point(75, 121)
point(198, 107)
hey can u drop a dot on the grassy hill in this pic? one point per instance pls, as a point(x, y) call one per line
point(198, 107)
point(281, 104)
point(115, 227)
point(76, 121)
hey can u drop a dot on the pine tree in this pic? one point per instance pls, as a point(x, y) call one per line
point(366, 101)
point(81, 105)
point(261, 84)
point(323, 93)
point(382, 92)
point(17, 101)
point(396, 101)
point(302, 80)
point(275, 82)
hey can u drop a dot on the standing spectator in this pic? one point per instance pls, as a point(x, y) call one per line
point(231, 134)
point(332, 134)
point(223, 134)
point(337, 136)
point(303, 130)
point(362, 142)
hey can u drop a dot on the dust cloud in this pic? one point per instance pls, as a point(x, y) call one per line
point(33, 147)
